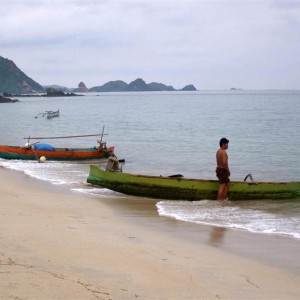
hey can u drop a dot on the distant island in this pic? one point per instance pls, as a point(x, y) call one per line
point(15, 82)
point(138, 85)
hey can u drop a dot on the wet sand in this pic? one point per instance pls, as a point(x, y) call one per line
point(58, 244)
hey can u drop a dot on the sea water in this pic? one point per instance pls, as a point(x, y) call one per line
point(170, 133)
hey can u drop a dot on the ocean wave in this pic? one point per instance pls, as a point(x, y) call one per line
point(253, 218)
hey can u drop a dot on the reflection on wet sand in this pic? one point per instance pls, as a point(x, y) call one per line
point(216, 236)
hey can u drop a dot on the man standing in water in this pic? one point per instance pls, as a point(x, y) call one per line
point(222, 170)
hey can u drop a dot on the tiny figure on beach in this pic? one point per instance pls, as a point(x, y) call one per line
point(222, 170)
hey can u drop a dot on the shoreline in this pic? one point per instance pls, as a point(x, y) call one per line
point(61, 244)
point(272, 249)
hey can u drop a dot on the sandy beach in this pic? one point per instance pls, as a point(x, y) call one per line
point(59, 244)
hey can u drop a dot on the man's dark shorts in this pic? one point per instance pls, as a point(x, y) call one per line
point(223, 175)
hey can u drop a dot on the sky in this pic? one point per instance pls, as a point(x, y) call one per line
point(212, 44)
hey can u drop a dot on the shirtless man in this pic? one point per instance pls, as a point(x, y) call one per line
point(222, 170)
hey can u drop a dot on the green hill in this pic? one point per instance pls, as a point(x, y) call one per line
point(155, 86)
point(111, 86)
point(14, 81)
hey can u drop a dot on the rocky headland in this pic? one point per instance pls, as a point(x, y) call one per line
point(7, 100)
point(14, 81)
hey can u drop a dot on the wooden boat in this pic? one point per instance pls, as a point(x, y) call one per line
point(63, 154)
point(178, 188)
point(36, 151)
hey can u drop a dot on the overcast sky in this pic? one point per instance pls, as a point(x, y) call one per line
point(213, 44)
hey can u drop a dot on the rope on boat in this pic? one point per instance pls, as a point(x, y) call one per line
point(250, 177)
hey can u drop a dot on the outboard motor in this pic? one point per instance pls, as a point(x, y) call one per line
point(113, 164)
point(28, 146)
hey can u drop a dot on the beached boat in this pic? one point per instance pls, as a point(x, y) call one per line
point(179, 188)
point(41, 152)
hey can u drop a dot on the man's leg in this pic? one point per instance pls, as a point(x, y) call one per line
point(221, 192)
point(226, 189)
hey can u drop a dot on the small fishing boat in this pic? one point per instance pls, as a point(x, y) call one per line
point(52, 153)
point(178, 188)
point(41, 152)
point(49, 113)
point(52, 114)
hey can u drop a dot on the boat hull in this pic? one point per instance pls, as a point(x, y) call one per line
point(189, 189)
point(60, 154)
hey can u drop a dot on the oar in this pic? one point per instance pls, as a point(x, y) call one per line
point(35, 154)
point(30, 147)
point(63, 137)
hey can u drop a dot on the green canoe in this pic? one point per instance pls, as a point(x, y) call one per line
point(189, 189)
